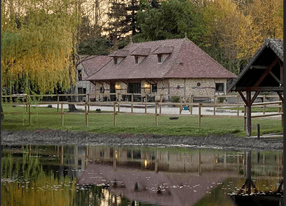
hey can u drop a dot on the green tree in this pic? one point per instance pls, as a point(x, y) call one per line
point(172, 19)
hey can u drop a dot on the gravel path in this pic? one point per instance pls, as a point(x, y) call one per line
point(57, 137)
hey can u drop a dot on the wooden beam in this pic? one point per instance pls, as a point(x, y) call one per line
point(281, 73)
point(282, 99)
point(273, 75)
point(254, 97)
point(243, 98)
point(266, 72)
point(275, 89)
point(258, 67)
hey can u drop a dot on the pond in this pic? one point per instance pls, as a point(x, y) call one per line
point(113, 175)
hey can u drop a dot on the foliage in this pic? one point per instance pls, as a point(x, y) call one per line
point(115, 26)
point(221, 99)
point(130, 21)
point(172, 19)
point(93, 46)
point(265, 20)
point(37, 43)
point(175, 98)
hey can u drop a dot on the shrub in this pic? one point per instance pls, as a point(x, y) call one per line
point(175, 98)
point(221, 99)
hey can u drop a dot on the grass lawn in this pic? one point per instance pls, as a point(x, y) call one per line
point(255, 109)
point(132, 124)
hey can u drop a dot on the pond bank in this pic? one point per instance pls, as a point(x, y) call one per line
point(58, 137)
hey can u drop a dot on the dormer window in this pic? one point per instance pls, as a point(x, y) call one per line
point(163, 52)
point(140, 53)
point(159, 58)
point(118, 56)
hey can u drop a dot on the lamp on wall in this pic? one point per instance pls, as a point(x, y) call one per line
point(117, 86)
point(146, 86)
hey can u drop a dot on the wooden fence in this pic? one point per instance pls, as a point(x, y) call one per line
point(157, 105)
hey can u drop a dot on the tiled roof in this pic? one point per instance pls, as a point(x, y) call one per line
point(141, 52)
point(119, 53)
point(164, 50)
point(193, 62)
point(185, 61)
point(276, 46)
point(93, 63)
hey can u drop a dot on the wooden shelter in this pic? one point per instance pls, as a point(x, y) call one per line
point(263, 73)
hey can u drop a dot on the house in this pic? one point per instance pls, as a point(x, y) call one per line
point(175, 67)
point(87, 67)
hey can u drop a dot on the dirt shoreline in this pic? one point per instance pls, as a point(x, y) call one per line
point(58, 137)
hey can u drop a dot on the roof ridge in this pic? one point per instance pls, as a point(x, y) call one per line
point(157, 40)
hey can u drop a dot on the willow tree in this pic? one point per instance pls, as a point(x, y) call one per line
point(38, 44)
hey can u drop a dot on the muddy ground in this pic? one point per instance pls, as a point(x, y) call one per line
point(57, 137)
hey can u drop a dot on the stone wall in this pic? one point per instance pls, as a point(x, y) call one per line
point(180, 87)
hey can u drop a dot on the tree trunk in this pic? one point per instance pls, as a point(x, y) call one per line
point(2, 115)
point(72, 107)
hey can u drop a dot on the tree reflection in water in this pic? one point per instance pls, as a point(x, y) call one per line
point(54, 175)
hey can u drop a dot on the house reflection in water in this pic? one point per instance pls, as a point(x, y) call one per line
point(160, 176)
point(164, 177)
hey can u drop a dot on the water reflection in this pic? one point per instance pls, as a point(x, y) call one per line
point(101, 175)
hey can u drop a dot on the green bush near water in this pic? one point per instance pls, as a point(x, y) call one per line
point(131, 124)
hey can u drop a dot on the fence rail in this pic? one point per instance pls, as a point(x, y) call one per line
point(157, 105)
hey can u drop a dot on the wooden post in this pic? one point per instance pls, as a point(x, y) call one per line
point(180, 105)
point(86, 113)
point(199, 165)
point(191, 106)
point(132, 107)
point(58, 100)
point(88, 100)
point(258, 131)
point(264, 106)
point(28, 102)
point(248, 172)
point(132, 97)
point(118, 107)
point(248, 113)
point(29, 113)
point(244, 117)
point(62, 155)
point(156, 115)
point(282, 110)
point(114, 113)
point(145, 104)
point(279, 108)
point(161, 99)
point(118, 102)
point(62, 114)
point(214, 103)
point(238, 104)
point(200, 112)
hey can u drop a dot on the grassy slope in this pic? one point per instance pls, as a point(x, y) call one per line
point(132, 124)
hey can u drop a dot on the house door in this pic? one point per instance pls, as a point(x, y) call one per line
point(136, 89)
point(112, 90)
point(81, 91)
